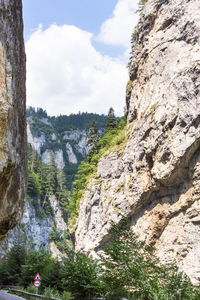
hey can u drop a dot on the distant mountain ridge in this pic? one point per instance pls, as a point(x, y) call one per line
point(65, 135)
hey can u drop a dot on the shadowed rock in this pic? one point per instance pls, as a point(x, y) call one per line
point(12, 115)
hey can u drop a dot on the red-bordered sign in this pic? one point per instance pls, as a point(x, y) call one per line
point(37, 283)
point(37, 277)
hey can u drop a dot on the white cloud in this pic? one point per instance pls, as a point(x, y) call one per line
point(65, 74)
point(117, 30)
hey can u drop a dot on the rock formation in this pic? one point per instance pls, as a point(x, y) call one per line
point(12, 115)
point(35, 229)
point(155, 178)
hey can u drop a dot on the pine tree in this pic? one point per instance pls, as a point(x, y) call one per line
point(93, 135)
point(52, 174)
point(93, 138)
point(111, 120)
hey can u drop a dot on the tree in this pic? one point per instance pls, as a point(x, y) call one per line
point(40, 262)
point(131, 270)
point(111, 120)
point(62, 194)
point(93, 139)
point(80, 276)
point(52, 174)
point(10, 268)
point(34, 187)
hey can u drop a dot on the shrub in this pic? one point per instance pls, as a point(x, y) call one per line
point(80, 276)
point(131, 270)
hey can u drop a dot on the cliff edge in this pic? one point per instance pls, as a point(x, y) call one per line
point(12, 115)
point(155, 178)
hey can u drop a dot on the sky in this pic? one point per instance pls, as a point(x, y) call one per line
point(77, 52)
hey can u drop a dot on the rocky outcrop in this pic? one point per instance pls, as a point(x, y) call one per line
point(12, 115)
point(155, 178)
point(71, 156)
point(36, 227)
point(74, 140)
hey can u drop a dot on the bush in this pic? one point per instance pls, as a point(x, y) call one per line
point(66, 295)
point(80, 276)
point(130, 269)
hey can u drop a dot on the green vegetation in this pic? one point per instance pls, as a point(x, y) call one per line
point(131, 270)
point(76, 274)
point(43, 125)
point(93, 139)
point(128, 268)
point(43, 181)
point(111, 120)
point(134, 36)
point(141, 4)
point(63, 123)
point(113, 139)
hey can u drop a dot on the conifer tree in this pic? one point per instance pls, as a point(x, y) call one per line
point(52, 174)
point(93, 138)
point(111, 120)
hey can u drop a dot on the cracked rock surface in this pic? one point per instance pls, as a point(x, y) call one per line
point(12, 115)
point(155, 180)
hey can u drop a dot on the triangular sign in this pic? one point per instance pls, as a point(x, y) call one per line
point(37, 277)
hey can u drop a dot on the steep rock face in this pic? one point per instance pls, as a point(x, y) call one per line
point(155, 180)
point(35, 229)
point(12, 115)
point(36, 142)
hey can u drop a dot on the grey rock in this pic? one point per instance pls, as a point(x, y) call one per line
point(156, 180)
point(12, 116)
point(35, 230)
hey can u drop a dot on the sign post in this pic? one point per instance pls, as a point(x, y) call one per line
point(37, 282)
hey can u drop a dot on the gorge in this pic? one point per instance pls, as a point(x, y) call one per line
point(146, 169)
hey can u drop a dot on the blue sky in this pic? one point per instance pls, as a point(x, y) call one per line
point(85, 14)
point(77, 53)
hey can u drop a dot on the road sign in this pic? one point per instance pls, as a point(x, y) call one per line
point(37, 277)
point(37, 283)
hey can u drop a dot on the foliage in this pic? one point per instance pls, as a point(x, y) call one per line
point(65, 123)
point(141, 4)
point(11, 265)
point(134, 35)
point(93, 138)
point(113, 138)
point(134, 38)
point(80, 275)
point(111, 120)
point(43, 181)
point(46, 127)
point(130, 269)
point(77, 274)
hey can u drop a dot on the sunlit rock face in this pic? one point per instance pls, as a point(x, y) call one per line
point(12, 115)
point(155, 179)
point(35, 229)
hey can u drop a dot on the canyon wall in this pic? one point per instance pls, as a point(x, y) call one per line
point(12, 115)
point(155, 177)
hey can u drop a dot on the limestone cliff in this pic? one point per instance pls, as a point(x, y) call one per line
point(155, 178)
point(37, 229)
point(12, 115)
